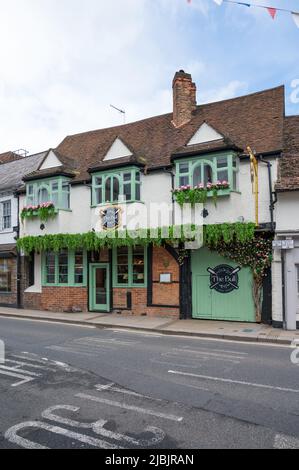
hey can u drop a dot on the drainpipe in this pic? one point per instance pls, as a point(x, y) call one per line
point(19, 273)
point(273, 200)
point(170, 172)
point(283, 289)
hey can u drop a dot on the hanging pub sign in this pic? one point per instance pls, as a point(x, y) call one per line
point(224, 278)
point(111, 218)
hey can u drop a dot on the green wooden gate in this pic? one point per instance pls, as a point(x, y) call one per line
point(221, 289)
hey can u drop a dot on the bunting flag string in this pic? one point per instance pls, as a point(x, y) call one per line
point(271, 10)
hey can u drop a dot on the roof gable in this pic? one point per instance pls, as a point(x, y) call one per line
point(51, 161)
point(117, 150)
point(205, 134)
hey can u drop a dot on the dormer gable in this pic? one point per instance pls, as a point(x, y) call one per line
point(205, 134)
point(118, 150)
point(51, 161)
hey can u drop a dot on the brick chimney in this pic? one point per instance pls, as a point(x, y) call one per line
point(184, 98)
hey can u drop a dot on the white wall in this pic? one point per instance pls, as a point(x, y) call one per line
point(156, 188)
point(288, 211)
point(7, 236)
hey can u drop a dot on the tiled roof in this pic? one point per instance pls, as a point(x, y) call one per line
point(11, 174)
point(7, 157)
point(288, 178)
point(255, 120)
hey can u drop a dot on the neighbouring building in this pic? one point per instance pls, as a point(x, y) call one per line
point(285, 266)
point(75, 200)
point(12, 171)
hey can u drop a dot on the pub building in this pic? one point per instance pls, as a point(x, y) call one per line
point(204, 154)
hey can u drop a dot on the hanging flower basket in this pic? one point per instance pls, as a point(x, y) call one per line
point(43, 212)
point(199, 194)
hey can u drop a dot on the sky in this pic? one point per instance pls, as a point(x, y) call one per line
point(63, 62)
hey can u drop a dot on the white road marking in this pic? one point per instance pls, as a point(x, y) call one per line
point(51, 416)
point(220, 350)
point(70, 350)
point(239, 382)
point(130, 407)
point(155, 361)
point(111, 388)
point(12, 436)
point(98, 427)
point(207, 353)
point(14, 369)
point(110, 341)
point(27, 364)
point(23, 378)
point(28, 357)
point(44, 360)
point(283, 441)
point(199, 357)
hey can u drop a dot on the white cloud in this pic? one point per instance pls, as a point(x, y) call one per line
point(63, 62)
point(231, 90)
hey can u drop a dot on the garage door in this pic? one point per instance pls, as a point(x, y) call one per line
point(221, 289)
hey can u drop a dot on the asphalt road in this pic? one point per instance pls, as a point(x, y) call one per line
point(75, 387)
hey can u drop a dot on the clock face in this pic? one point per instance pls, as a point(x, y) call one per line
point(224, 278)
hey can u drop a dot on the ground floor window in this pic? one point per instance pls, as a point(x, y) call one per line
point(129, 266)
point(66, 268)
point(6, 266)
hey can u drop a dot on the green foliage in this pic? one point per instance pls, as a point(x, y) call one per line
point(255, 252)
point(227, 233)
point(94, 241)
point(44, 212)
point(213, 235)
point(198, 194)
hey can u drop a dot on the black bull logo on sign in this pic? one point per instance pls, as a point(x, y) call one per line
point(224, 278)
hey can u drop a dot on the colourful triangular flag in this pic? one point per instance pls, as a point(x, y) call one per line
point(295, 17)
point(219, 2)
point(272, 12)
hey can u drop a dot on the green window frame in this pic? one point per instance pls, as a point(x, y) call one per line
point(130, 266)
point(116, 186)
point(65, 268)
point(56, 190)
point(204, 169)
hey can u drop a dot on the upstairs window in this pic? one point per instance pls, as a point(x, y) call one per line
point(51, 190)
point(116, 186)
point(5, 215)
point(204, 170)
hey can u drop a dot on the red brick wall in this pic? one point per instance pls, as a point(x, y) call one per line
point(139, 303)
point(57, 299)
point(163, 262)
point(163, 294)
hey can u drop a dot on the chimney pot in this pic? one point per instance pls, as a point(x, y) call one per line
point(184, 98)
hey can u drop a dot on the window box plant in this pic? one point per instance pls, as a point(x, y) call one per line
point(200, 193)
point(44, 211)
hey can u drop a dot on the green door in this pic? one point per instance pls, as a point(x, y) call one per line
point(99, 287)
point(221, 289)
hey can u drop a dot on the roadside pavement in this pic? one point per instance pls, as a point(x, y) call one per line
point(248, 332)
